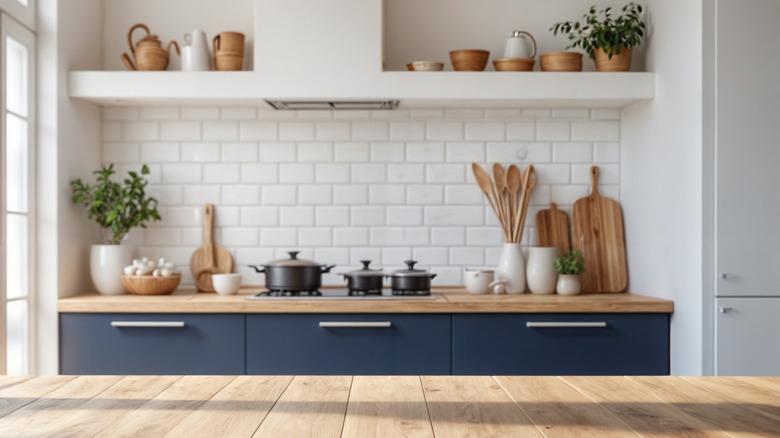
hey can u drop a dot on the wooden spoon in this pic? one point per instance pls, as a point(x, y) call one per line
point(499, 175)
point(486, 185)
point(513, 182)
point(529, 182)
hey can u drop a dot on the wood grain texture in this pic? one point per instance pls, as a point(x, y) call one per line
point(311, 406)
point(237, 410)
point(725, 414)
point(762, 403)
point(598, 234)
point(387, 406)
point(210, 258)
point(162, 413)
point(25, 392)
point(641, 409)
point(448, 300)
point(561, 411)
point(552, 228)
point(474, 407)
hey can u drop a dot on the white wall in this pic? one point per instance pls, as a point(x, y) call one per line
point(662, 177)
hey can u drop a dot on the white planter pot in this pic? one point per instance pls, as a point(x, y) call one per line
point(511, 268)
point(540, 271)
point(105, 267)
point(568, 285)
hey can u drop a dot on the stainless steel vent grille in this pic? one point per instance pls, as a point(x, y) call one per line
point(300, 105)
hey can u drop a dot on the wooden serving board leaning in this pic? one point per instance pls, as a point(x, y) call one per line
point(598, 234)
point(552, 228)
point(210, 258)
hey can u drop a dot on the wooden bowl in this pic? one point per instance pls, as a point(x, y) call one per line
point(149, 285)
point(561, 61)
point(469, 59)
point(513, 64)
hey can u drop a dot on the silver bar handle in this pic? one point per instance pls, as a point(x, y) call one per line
point(579, 324)
point(147, 324)
point(355, 324)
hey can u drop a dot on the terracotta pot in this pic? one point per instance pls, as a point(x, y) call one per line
point(620, 61)
point(561, 61)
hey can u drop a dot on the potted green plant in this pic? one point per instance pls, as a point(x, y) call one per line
point(117, 207)
point(607, 37)
point(569, 267)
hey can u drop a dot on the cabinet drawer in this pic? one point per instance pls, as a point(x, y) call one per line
point(151, 344)
point(561, 344)
point(348, 344)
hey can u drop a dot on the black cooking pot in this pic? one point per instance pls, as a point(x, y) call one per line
point(410, 279)
point(293, 274)
point(365, 279)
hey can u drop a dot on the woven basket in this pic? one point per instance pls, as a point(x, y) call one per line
point(561, 61)
point(149, 285)
point(619, 62)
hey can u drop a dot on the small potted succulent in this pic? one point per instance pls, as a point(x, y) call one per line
point(117, 208)
point(606, 37)
point(569, 267)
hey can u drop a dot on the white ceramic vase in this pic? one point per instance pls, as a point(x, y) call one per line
point(105, 267)
point(568, 285)
point(511, 268)
point(541, 270)
point(195, 52)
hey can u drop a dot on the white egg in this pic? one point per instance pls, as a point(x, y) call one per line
point(166, 272)
point(156, 273)
point(129, 270)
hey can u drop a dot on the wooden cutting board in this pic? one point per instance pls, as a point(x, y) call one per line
point(210, 258)
point(598, 234)
point(552, 228)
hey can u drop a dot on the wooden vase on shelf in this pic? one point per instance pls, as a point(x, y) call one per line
point(620, 61)
point(228, 51)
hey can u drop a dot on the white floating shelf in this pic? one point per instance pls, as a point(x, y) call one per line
point(413, 89)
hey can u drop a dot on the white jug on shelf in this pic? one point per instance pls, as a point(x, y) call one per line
point(195, 52)
point(517, 45)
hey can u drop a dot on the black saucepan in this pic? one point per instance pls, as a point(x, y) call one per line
point(365, 279)
point(293, 274)
point(410, 279)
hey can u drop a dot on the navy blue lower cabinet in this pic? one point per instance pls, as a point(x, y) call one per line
point(560, 344)
point(348, 344)
point(151, 344)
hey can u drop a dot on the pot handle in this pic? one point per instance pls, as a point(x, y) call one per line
point(257, 269)
point(130, 35)
point(433, 276)
point(326, 269)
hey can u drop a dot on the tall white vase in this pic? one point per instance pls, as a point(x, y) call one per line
point(541, 270)
point(511, 268)
point(105, 267)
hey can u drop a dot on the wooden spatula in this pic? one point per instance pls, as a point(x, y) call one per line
point(598, 234)
point(552, 228)
point(210, 258)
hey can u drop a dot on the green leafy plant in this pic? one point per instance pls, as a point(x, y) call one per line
point(117, 208)
point(600, 29)
point(570, 263)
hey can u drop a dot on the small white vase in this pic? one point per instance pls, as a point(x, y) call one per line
point(568, 285)
point(105, 267)
point(541, 270)
point(511, 268)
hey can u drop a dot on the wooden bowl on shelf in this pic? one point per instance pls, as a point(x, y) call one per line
point(513, 64)
point(561, 61)
point(150, 285)
point(469, 59)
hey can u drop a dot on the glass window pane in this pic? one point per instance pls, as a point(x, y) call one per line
point(16, 163)
point(16, 273)
point(16, 77)
point(17, 328)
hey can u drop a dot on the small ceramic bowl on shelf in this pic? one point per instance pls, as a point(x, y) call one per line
point(427, 66)
point(226, 284)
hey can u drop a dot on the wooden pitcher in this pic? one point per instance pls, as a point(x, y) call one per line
point(148, 54)
point(228, 50)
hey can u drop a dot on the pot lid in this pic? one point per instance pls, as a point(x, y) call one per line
point(365, 271)
point(293, 260)
point(410, 271)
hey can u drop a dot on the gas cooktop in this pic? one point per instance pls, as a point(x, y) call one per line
point(342, 294)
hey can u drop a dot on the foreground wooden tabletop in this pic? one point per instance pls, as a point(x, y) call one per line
point(409, 406)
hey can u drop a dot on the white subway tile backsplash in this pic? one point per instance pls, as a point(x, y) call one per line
point(346, 186)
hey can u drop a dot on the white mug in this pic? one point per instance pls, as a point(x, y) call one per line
point(478, 280)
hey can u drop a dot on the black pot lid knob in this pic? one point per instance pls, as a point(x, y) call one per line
point(293, 254)
point(365, 264)
point(410, 264)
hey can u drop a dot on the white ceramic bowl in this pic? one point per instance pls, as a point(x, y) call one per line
point(427, 66)
point(226, 284)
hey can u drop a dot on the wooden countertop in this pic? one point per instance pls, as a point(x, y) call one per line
point(447, 300)
point(383, 406)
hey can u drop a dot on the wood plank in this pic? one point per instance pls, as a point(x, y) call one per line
point(722, 414)
point(6, 381)
point(39, 416)
point(474, 407)
point(561, 411)
point(552, 228)
point(310, 406)
point(237, 410)
point(27, 391)
point(641, 409)
point(161, 414)
point(762, 402)
point(105, 409)
point(448, 300)
point(387, 406)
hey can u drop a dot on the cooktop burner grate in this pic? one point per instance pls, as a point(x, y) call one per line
point(290, 293)
point(342, 293)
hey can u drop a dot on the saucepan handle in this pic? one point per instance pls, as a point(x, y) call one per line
point(259, 270)
point(326, 269)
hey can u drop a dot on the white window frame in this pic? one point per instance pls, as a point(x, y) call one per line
point(12, 28)
point(21, 13)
